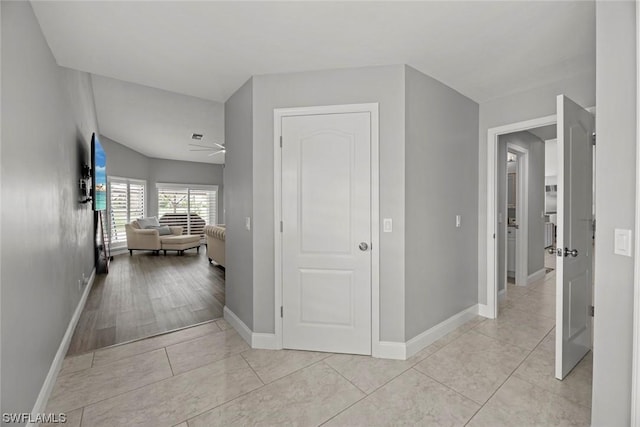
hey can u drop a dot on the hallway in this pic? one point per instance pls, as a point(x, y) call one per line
point(485, 373)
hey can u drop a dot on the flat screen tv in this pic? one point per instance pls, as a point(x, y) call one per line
point(99, 174)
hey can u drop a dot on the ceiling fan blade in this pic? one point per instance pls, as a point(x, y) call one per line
point(217, 152)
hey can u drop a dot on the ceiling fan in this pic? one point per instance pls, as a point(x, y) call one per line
point(216, 149)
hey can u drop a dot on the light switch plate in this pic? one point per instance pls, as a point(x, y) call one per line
point(458, 221)
point(247, 223)
point(387, 225)
point(622, 242)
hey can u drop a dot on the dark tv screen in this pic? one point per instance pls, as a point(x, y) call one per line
point(99, 167)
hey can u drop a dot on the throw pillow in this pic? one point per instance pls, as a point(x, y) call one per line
point(163, 230)
point(150, 221)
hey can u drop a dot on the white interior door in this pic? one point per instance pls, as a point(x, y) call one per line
point(326, 213)
point(574, 253)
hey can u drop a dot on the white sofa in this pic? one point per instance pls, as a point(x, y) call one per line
point(215, 235)
point(146, 239)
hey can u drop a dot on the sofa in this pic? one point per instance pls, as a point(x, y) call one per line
point(139, 238)
point(215, 235)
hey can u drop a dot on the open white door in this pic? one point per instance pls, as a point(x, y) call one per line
point(326, 232)
point(575, 215)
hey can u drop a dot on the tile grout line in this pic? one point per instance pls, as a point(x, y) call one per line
point(507, 379)
point(449, 387)
point(153, 349)
point(251, 367)
point(251, 391)
point(166, 353)
point(133, 389)
point(348, 407)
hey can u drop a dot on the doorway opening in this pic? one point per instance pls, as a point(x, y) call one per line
point(562, 199)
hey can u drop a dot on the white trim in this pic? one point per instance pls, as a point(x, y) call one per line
point(534, 277)
point(522, 215)
point(377, 348)
point(237, 324)
point(428, 337)
point(483, 310)
point(635, 378)
point(264, 341)
point(47, 387)
point(492, 153)
point(391, 350)
point(178, 186)
point(124, 178)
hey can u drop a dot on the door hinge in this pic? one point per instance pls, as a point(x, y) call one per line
point(281, 226)
point(280, 141)
point(281, 312)
point(494, 235)
point(591, 311)
point(593, 138)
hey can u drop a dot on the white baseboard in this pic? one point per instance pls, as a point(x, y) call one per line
point(254, 339)
point(483, 310)
point(390, 350)
point(47, 387)
point(264, 341)
point(426, 338)
point(237, 324)
point(536, 276)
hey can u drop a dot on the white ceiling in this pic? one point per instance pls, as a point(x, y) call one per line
point(157, 123)
point(484, 50)
point(179, 57)
point(545, 133)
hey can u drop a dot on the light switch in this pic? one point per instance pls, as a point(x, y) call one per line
point(247, 223)
point(387, 225)
point(622, 242)
point(458, 221)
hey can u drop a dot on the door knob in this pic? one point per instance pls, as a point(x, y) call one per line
point(551, 251)
point(363, 246)
point(572, 252)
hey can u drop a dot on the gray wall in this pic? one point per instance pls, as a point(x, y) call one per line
point(538, 102)
point(48, 117)
point(535, 252)
point(124, 162)
point(238, 172)
point(441, 158)
point(384, 85)
point(615, 207)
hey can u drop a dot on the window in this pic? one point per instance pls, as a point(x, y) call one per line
point(189, 206)
point(126, 203)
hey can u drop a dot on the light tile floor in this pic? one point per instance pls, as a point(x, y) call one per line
point(485, 373)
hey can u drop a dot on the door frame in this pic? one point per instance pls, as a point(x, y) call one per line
point(493, 134)
point(278, 115)
point(635, 376)
point(522, 215)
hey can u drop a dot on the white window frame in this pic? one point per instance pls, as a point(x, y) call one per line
point(188, 187)
point(128, 181)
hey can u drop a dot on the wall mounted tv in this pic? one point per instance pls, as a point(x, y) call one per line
point(99, 172)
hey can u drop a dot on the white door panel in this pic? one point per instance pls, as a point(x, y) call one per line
point(326, 213)
point(574, 256)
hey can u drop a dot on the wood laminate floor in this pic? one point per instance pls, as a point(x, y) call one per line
point(145, 295)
